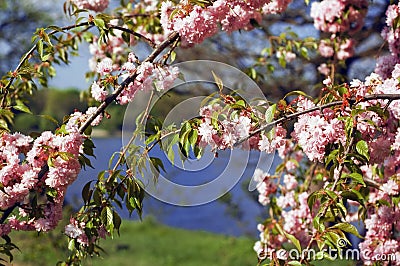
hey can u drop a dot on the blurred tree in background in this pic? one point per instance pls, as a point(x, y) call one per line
point(18, 21)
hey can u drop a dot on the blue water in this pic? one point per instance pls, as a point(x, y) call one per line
point(213, 216)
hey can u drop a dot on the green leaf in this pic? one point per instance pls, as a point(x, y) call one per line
point(292, 238)
point(110, 216)
point(294, 262)
point(117, 221)
point(3, 125)
point(218, 81)
point(71, 244)
point(270, 113)
point(22, 107)
point(40, 48)
point(152, 138)
point(362, 148)
point(347, 227)
point(173, 56)
point(193, 135)
point(313, 198)
point(304, 52)
point(107, 216)
point(50, 162)
point(357, 177)
point(99, 23)
point(87, 192)
point(157, 163)
point(331, 194)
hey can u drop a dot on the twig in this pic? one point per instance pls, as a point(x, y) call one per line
point(134, 33)
point(341, 166)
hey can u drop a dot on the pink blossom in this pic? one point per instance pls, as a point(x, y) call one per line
point(325, 49)
point(392, 13)
point(396, 71)
point(193, 28)
point(206, 131)
point(385, 65)
point(90, 111)
point(265, 145)
point(291, 165)
point(339, 15)
point(105, 66)
point(313, 133)
point(143, 81)
point(276, 6)
point(73, 231)
point(290, 181)
point(396, 143)
point(95, 5)
point(165, 77)
point(265, 187)
point(346, 49)
point(390, 187)
point(98, 92)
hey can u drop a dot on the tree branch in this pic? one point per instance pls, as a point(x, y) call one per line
point(157, 51)
point(289, 117)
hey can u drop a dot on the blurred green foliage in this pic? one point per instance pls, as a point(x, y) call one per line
point(143, 244)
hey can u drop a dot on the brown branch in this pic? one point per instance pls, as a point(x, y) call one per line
point(112, 97)
point(289, 117)
point(134, 33)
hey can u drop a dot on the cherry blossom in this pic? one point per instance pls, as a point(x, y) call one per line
point(95, 5)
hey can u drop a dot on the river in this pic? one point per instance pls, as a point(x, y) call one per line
point(213, 217)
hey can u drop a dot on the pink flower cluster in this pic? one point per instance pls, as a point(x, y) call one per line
point(342, 49)
point(278, 142)
point(100, 61)
point(148, 76)
point(266, 186)
point(95, 5)
point(76, 230)
point(339, 15)
point(77, 118)
point(194, 23)
point(193, 26)
point(391, 33)
point(228, 132)
point(382, 136)
point(276, 6)
point(380, 241)
point(296, 216)
point(313, 131)
point(22, 160)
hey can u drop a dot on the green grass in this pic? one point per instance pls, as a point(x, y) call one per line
point(141, 244)
point(147, 243)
